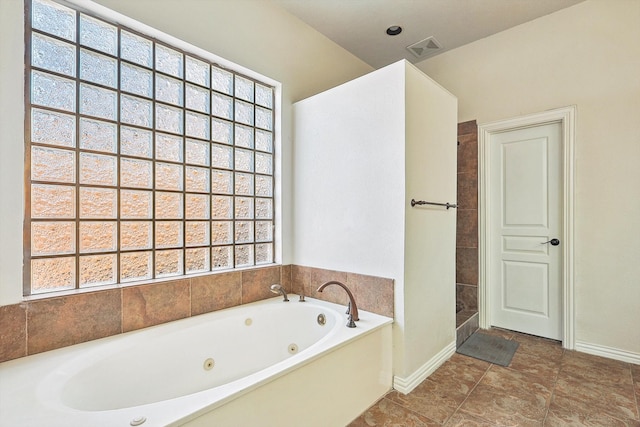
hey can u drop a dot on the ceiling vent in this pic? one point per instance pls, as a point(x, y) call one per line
point(425, 48)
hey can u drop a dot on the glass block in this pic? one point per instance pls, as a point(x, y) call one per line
point(136, 49)
point(243, 231)
point(135, 142)
point(264, 96)
point(197, 260)
point(135, 266)
point(244, 208)
point(221, 232)
point(264, 231)
point(244, 160)
point(168, 147)
point(264, 209)
point(244, 136)
point(264, 186)
point(221, 258)
point(221, 106)
point(98, 270)
point(264, 163)
point(135, 111)
point(198, 152)
point(197, 233)
point(244, 113)
point(98, 236)
point(98, 102)
point(135, 173)
point(244, 184)
point(168, 61)
point(264, 253)
point(135, 204)
point(51, 164)
point(48, 127)
point(53, 55)
point(197, 98)
point(169, 90)
point(264, 141)
point(244, 89)
point(169, 234)
point(136, 80)
point(98, 68)
point(168, 205)
point(197, 71)
point(221, 131)
point(197, 125)
point(221, 182)
point(197, 206)
point(169, 263)
point(244, 255)
point(53, 91)
point(221, 207)
point(54, 18)
point(135, 235)
point(168, 119)
point(98, 136)
point(53, 238)
point(264, 118)
point(98, 203)
point(169, 176)
point(53, 201)
point(197, 179)
point(221, 80)
point(221, 156)
point(98, 169)
point(53, 274)
point(98, 35)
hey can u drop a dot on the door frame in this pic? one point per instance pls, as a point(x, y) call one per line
point(566, 116)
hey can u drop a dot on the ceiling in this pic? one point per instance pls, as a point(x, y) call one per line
point(360, 26)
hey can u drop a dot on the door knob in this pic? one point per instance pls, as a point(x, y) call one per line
point(554, 242)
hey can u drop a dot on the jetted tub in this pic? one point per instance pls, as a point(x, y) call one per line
point(268, 363)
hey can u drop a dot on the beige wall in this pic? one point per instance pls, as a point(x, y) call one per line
point(252, 33)
point(587, 55)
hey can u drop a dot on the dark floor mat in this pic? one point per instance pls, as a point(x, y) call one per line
point(489, 348)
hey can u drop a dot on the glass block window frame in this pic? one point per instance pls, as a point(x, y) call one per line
point(143, 161)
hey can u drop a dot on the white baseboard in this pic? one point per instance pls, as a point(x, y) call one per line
point(609, 352)
point(406, 385)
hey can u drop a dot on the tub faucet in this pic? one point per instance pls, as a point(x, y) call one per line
point(277, 289)
point(353, 308)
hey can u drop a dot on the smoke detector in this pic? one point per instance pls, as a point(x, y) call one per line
point(424, 48)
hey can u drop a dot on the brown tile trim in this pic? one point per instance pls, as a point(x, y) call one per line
point(13, 332)
point(149, 305)
point(59, 322)
point(374, 294)
point(465, 128)
point(46, 324)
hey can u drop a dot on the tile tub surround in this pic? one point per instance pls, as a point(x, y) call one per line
point(43, 324)
point(545, 385)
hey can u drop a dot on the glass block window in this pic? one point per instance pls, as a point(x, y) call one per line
point(143, 161)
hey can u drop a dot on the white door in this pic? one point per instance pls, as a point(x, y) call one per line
point(525, 213)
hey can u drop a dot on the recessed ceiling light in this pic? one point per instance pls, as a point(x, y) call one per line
point(394, 30)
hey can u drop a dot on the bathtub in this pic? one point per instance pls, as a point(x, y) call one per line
point(268, 363)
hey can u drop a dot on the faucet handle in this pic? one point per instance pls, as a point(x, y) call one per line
point(348, 308)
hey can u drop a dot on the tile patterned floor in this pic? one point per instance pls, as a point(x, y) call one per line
point(544, 386)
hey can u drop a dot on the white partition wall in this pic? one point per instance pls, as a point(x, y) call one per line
point(362, 151)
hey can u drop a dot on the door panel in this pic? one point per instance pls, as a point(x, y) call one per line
point(525, 211)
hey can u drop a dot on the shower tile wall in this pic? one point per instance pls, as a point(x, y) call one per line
point(45, 324)
point(467, 220)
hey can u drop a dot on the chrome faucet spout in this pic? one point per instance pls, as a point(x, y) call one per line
point(277, 289)
point(353, 313)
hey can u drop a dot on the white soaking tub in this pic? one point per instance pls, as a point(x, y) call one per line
point(270, 363)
